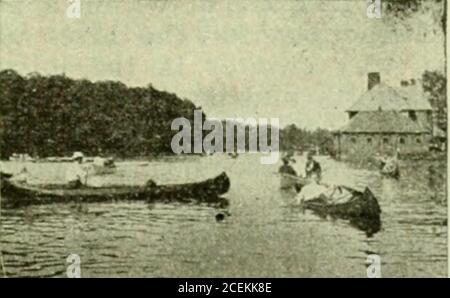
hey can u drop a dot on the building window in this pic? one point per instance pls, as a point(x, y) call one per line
point(385, 141)
point(402, 141)
point(419, 141)
point(369, 140)
point(352, 114)
point(412, 115)
point(353, 140)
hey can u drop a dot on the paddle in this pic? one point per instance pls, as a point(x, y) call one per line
point(298, 178)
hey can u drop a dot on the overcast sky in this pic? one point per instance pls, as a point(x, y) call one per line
point(304, 62)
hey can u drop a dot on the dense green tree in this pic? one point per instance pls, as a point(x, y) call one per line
point(435, 86)
point(56, 115)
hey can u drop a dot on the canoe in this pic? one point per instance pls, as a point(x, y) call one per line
point(14, 194)
point(361, 209)
point(361, 204)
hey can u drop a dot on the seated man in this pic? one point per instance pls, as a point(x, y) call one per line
point(312, 166)
point(286, 168)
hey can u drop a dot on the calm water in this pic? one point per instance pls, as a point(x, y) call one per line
point(266, 234)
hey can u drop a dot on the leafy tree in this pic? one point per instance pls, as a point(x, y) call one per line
point(435, 85)
point(56, 115)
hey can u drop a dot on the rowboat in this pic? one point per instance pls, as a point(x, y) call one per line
point(360, 207)
point(357, 204)
point(15, 194)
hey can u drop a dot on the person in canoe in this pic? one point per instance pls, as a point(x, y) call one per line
point(290, 156)
point(289, 177)
point(286, 168)
point(331, 194)
point(312, 190)
point(76, 173)
point(312, 166)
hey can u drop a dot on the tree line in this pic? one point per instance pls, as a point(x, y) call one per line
point(56, 115)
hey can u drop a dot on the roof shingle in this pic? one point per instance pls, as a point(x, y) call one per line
point(383, 97)
point(382, 122)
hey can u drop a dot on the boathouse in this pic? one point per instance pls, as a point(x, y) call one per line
point(386, 119)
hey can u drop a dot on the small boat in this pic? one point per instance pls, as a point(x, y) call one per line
point(14, 194)
point(353, 204)
point(360, 208)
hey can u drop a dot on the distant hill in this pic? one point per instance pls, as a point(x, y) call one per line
point(56, 115)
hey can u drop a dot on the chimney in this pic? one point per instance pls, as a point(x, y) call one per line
point(373, 79)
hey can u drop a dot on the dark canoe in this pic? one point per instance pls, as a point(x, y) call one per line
point(362, 209)
point(205, 191)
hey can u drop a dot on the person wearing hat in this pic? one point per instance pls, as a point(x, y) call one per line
point(290, 156)
point(286, 168)
point(312, 166)
point(76, 173)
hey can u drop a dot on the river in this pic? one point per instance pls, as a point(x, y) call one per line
point(265, 234)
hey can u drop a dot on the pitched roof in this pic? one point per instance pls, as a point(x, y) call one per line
point(382, 122)
point(415, 96)
point(384, 97)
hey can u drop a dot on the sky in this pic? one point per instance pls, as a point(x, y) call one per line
point(303, 62)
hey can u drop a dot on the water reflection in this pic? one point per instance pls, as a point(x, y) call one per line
point(263, 232)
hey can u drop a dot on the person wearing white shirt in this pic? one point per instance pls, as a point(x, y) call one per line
point(312, 190)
